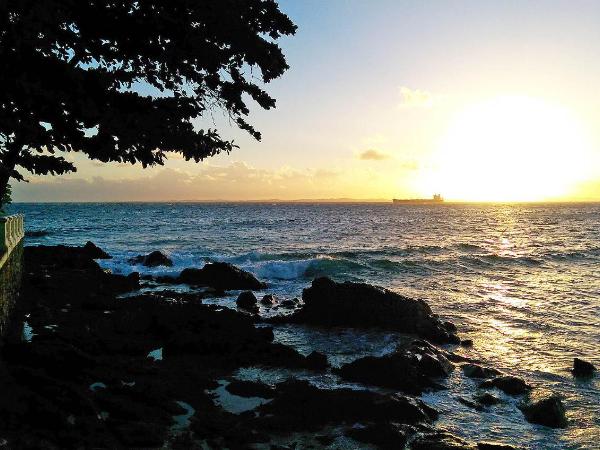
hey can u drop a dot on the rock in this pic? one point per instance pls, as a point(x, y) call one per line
point(92, 251)
point(477, 371)
point(470, 403)
point(250, 389)
point(301, 406)
point(487, 399)
point(508, 384)
point(544, 408)
point(466, 342)
point(268, 300)
point(36, 233)
point(324, 439)
point(411, 369)
point(288, 304)
point(582, 368)
point(449, 326)
point(494, 446)
point(384, 435)
point(440, 440)
point(153, 259)
point(140, 434)
point(247, 300)
point(360, 305)
point(317, 361)
point(222, 276)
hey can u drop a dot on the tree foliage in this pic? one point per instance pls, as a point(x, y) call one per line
point(6, 199)
point(74, 72)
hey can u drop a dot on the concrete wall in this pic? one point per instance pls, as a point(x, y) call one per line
point(11, 234)
point(10, 284)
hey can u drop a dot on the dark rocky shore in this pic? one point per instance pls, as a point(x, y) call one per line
point(85, 366)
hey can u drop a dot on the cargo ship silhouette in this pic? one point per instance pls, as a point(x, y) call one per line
point(437, 198)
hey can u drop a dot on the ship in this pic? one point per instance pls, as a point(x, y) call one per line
point(436, 199)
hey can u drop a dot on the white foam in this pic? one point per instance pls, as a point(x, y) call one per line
point(182, 421)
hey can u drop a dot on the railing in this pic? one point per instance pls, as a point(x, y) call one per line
point(11, 232)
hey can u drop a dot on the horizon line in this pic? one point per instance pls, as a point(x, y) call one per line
point(309, 200)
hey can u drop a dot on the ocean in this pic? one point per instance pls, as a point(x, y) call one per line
point(523, 281)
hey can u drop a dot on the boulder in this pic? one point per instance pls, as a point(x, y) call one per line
point(544, 408)
point(440, 440)
point(411, 369)
point(288, 304)
point(466, 342)
point(360, 305)
point(487, 399)
point(247, 300)
point(91, 250)
point(36, 233)
point(494, 446)
point(508, 384)
point(268, 300)
point(317, 360)
point(299, 405)
point(222, 276)
point(582, 368)
point(477, 371)
point(250, 389)
point(153, 259)
point(384, 435)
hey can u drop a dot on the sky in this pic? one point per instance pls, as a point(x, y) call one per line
point(476, 100)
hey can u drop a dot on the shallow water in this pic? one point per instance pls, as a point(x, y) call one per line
point(523, 281)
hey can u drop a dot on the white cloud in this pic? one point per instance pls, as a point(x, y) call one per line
point(236, 181)
point(415, 98)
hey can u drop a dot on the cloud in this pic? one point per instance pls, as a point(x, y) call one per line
point(373, 155)
point(236, 181)
point(415, 98)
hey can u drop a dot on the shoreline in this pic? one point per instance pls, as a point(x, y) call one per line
point(57, 300)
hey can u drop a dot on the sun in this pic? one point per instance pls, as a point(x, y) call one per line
point(511, 148)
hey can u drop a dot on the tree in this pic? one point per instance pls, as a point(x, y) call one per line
point(5, 199)
point(74, 74)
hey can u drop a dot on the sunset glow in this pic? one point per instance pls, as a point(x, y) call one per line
point(511, 148)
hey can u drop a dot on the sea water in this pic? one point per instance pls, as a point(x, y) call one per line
point(523, 281)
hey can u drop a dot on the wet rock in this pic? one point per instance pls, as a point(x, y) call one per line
point(220, 275)
point(494, 446)
point(449, 326)
point(544, 408)
point(327, 303)
point(384, 435)
point(412, 369)
point(301, 406)
point(324, 439)
point(466, 342)
point(487, 399)
point(268, 300)
point(317, 361)
point(288, 304)
point(250, 389)
point(153, 259)
point(92, 251)
point(140, 434)
point(470, 403)
point(509, 384)
point(247, 300)
point(477, 371)
point(440, 440)
point(36, 233)
point(582, 368)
